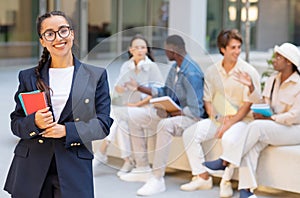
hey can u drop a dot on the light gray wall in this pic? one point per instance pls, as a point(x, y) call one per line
point(188, 19)
point(272, 27)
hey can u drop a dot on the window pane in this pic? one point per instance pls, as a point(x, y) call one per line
point(18, 37)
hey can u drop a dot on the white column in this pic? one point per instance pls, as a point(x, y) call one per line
point(188, 19)
point(83, 28)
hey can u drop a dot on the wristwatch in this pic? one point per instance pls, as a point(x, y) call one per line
point(217, 116)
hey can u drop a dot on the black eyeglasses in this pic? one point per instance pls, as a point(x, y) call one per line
point(63, 32)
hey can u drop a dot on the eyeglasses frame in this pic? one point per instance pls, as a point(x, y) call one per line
point(56, 32)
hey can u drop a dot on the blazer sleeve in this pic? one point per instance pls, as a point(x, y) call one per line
point(21, 125)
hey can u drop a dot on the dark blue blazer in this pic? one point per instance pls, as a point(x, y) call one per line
point(86, 118)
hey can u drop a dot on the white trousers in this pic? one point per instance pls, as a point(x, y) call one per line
point(164, 129)
point(262, 133)
point(232, 143)
point(119, 130)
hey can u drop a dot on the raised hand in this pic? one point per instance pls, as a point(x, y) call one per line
point(244, 78)
point(131, 84)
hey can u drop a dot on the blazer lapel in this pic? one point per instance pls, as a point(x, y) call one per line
point(79, 83)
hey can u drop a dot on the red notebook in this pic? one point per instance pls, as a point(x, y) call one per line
point(33, 101)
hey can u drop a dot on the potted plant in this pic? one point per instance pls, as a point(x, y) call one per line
point(265, 75)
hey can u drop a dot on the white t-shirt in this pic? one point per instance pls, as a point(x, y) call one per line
point(60, 81)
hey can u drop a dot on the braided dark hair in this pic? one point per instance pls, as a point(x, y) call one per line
point(41, 85)
point(295, 69)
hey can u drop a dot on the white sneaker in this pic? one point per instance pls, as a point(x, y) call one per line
point(127, 167)
point(99, 158)
point(253, 196)
point(197, 183)
point(140, 174)
point(152, 186)
point(226, 189)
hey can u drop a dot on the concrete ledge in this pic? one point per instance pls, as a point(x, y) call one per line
point(278, 167)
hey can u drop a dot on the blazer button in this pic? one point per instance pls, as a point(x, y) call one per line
point(72, 144)
point(41, 141)
point(86, 101)
point(77, 119)
point(32, 134)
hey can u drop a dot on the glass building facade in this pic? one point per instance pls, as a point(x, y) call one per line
point(271, 22)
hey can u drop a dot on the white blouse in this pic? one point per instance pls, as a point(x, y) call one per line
point(60, 81)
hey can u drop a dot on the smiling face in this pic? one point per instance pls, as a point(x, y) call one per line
point(232, 51)
point(59, 47)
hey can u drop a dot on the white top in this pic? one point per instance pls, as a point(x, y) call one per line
point(60, 81)
point(217, 80)
point(285, 98)
point(148, 75)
